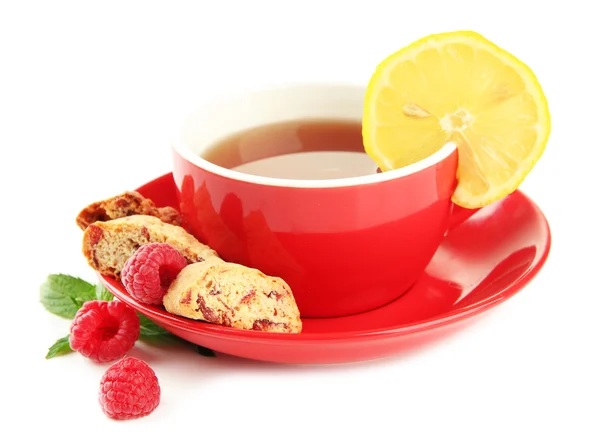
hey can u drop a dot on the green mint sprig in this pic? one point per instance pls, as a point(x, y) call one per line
point(63, 295)
point(60, 347)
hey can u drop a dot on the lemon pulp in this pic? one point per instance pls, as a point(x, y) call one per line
point(458, 87)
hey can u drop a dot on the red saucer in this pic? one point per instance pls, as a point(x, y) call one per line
point(481, 263)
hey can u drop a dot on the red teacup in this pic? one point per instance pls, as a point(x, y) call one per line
point(343, 245)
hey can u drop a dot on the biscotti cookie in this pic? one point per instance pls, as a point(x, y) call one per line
point(123, 205)
point(108, 245)
point(233, 295)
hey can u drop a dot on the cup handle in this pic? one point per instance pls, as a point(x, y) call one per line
point(459, 215)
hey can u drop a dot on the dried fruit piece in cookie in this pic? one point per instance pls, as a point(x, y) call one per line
point(233, 295)
point(123, 205)
point(148, 273)
point(108, 245)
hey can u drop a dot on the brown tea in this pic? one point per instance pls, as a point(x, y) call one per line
point(303, 150)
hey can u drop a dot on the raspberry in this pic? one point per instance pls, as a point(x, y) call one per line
point(149, 272)
point(104, 330)
point(129, 389)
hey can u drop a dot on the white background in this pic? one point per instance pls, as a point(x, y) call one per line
point(88, 93)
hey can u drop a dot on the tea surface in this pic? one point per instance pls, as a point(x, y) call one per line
point(303, 150)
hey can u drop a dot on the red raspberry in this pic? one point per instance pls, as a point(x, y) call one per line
point(149, 272)
point(104, 330)
point(129, 389)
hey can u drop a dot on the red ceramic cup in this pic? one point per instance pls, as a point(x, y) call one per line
point(343, 245)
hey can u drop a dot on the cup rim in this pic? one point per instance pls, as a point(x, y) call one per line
point(181, 148)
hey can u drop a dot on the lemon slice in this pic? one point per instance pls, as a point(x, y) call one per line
point(458, 87)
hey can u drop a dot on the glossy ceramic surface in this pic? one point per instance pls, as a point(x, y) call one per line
point(342, 250)
point(344, 246)
point(479, 264)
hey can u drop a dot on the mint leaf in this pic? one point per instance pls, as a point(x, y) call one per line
point(63, 295)
point(102, 293)
point(60, 347)
point(150, 330)
point(205, 351)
